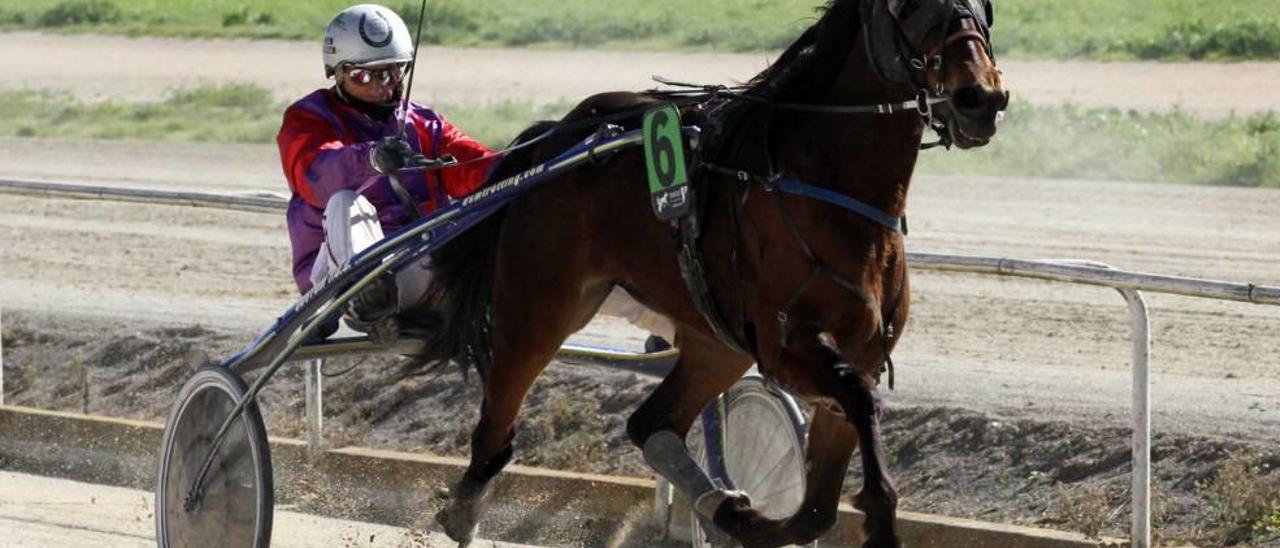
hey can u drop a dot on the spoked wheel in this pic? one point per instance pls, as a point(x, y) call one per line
point(762, 449)
point(235, 508)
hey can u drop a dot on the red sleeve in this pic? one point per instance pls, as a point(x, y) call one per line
point(464, 179)
point(303, 135)
point(316, 161)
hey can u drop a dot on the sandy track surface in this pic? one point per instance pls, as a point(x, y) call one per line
point(37, 512)
point(144, 69)
point(1028, 348)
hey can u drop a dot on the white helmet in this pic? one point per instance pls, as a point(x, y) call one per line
point(367, 34)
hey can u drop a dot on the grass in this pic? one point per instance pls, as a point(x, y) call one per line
point(233, 113)
point(1102, 29)
point(1139, 29)
point(1083, 508)
point(1245, 496)
point(1072, 142)
point(736, 25)
point(1065, 142)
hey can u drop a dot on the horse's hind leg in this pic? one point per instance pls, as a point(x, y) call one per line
point(528, 329)
point(705, 368)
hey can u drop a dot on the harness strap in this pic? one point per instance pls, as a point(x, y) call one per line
point(835, 198)
point(792, 186)
point(920, 104)
point(884, 327)
point(694, 271)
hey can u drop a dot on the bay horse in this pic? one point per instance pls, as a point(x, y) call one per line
point(807, 280)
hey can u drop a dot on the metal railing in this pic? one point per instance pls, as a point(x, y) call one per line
point(1129, 284)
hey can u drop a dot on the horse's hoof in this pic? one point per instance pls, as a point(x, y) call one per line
point(462, 533)
point(736, 517)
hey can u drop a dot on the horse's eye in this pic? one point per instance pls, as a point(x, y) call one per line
point(991, 14)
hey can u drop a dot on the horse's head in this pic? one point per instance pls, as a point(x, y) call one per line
point(942, 47)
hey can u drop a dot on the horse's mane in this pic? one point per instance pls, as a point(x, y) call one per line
point(811, 64)
point(804, 72)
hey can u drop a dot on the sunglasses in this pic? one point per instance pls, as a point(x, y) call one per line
point(385, 76)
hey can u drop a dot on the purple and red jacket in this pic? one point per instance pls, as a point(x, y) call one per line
point(324, 148)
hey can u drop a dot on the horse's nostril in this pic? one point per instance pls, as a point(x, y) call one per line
point(968, 98)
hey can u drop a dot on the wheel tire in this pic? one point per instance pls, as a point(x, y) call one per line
point(764, 453)
point(237, 503)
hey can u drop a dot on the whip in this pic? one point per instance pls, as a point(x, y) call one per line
point(413, 69)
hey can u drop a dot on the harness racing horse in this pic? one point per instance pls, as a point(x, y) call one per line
point(795, 260)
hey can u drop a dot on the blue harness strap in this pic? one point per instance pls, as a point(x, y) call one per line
point(835, 198)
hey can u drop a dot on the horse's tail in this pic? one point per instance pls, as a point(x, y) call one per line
point(463, 282)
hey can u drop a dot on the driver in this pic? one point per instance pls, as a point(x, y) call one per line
point(339, 144)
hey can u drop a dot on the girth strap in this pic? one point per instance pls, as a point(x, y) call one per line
point(694, 271)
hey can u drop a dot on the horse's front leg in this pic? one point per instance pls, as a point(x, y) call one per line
point(860, 400)
point(832, 440)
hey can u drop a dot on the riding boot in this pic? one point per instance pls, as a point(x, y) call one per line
point(373, 311)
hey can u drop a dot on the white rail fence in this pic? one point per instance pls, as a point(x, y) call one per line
point(1129, 284)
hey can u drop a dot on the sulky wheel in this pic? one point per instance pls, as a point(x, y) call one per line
point(236, 505)
point(762, 450)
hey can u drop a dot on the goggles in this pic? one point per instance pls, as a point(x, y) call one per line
point(384, 76)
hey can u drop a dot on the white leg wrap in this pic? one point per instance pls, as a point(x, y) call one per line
point(667, 454)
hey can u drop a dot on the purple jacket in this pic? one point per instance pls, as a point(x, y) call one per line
point(324, 147)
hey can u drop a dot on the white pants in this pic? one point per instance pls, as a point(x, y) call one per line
point(351, 225)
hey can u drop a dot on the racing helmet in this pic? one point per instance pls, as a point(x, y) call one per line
point(366, 34)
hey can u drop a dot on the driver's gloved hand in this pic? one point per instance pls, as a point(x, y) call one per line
point(391, 154)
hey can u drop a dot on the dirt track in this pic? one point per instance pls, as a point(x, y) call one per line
point(145, 69)
point(40, 512)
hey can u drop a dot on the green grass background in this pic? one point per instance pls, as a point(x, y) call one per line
point(1105, 29)
point(1032, 141)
